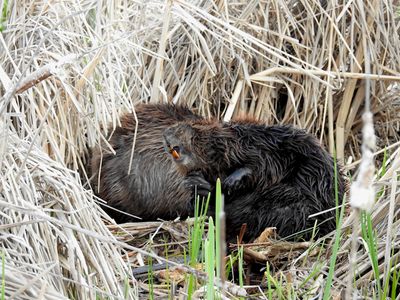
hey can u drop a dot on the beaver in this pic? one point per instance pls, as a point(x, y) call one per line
point(273, 176)
point(154, 188)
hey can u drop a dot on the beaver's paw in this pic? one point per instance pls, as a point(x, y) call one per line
point(200, 186)
point(236, 181)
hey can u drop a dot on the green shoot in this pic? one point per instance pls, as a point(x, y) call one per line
point(230, 265)
point(371, 244)
point(268, 275)
point(196, 239)
point(150, 278)
point(210, 259)
point(332, 262)
point(218, 209)
point(3, 16)
point(126, 287)
point(395, 283)
point(3, 275)
point(241, 272)
point(166, 268)
point(335, 249)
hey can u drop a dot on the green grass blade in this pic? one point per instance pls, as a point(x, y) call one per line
point(3, 273)
point(268, 275)
point(210, 259)
point(335, 249)
point(218, 210)
point(370, 239)
point(150, 278)
point(3, 16)
point(240, 266)
point(395, 283)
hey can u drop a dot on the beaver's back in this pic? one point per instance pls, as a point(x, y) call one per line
point(294, 178)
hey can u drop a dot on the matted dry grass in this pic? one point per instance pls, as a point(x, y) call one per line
point(67, 68)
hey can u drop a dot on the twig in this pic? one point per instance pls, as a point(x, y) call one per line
point(353, 164)
point(41, 74)
point(286, 70)
point(228, 286)
point(11, 92)
point(232, 103)
point(287, 246)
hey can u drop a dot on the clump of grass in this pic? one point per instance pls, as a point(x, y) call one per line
point(67, 68)
point(210, 248)
point(52, 227)
point(196, 240)
point(203, 248)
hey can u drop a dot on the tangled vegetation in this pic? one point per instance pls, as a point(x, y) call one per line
point(68, 68)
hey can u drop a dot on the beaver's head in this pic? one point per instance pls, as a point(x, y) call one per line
point(178, 142)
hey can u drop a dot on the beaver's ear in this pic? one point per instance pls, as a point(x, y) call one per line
point(166, 136)
point(187, 131)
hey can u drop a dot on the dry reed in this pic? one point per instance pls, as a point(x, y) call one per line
point(67, 68)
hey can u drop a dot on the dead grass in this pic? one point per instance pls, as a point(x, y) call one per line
point(67, 68)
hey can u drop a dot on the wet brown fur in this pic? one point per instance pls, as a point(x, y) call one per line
point(154, 188)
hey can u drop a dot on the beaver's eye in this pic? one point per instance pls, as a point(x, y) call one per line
point(176, 148)
point(175, 152)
